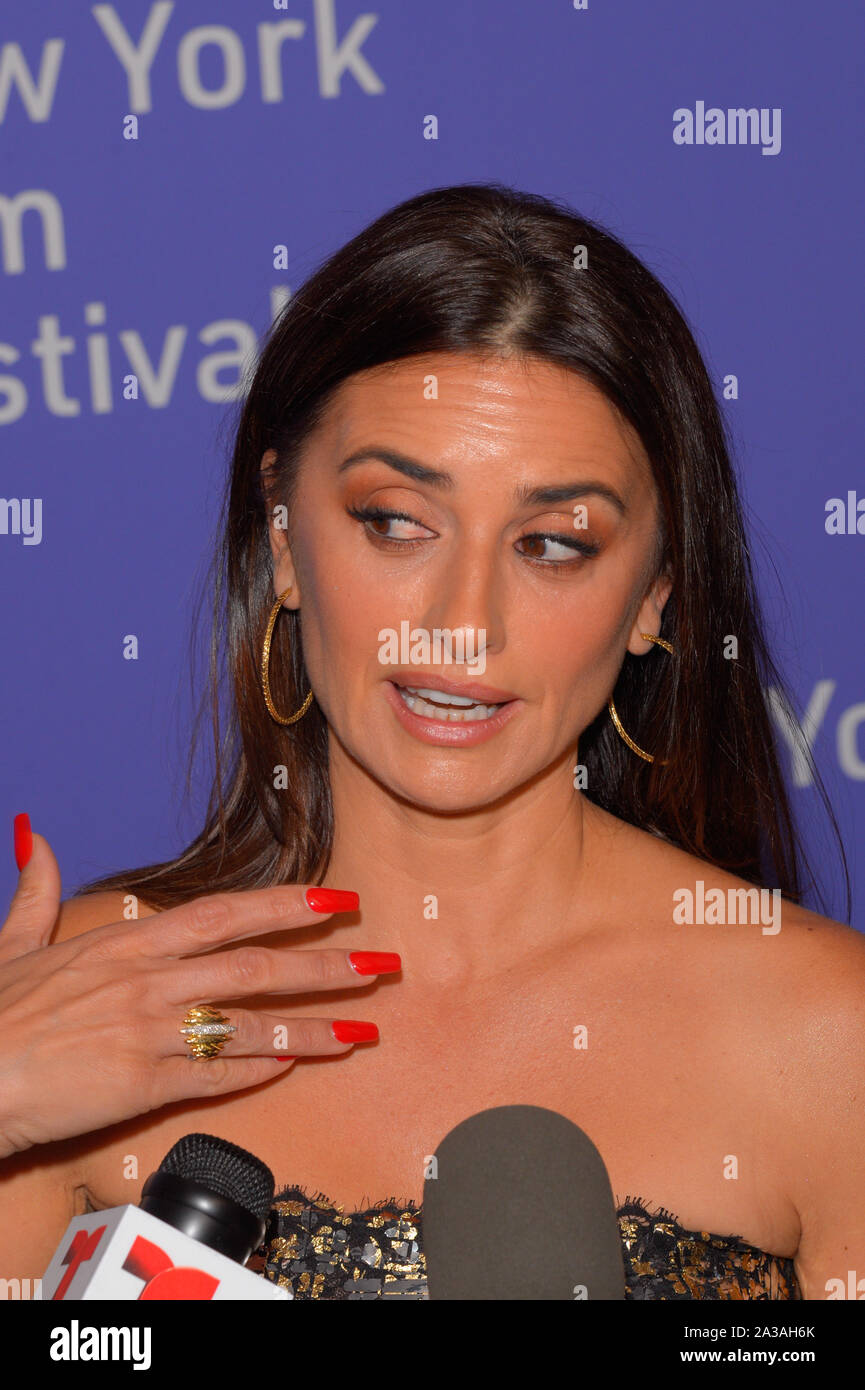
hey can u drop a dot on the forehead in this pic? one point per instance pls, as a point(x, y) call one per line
point(503, 406)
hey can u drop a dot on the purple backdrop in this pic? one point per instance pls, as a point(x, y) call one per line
point(296, 124)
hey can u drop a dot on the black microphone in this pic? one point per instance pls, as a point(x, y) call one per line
point(213, 1191)
point(202, 1213)
point(535, 1181)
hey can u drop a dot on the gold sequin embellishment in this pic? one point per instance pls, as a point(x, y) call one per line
point(314, 1248)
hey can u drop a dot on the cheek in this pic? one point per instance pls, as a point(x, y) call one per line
point(575, 656)
point(343, 613)
point(573, 639)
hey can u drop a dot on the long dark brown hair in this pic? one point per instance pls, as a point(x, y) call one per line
point(486, 268)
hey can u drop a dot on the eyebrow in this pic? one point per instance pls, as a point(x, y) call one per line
point(445, 482)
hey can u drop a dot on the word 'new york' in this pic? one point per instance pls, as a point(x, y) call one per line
point(137, 56)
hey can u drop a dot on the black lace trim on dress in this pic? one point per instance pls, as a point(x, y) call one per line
point(317, 1250)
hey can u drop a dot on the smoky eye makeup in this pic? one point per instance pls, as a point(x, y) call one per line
point(379, 520)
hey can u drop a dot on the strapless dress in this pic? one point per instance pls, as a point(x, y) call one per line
point(315, 1249)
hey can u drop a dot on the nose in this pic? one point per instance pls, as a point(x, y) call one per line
point(466, 642)
point(466, 608)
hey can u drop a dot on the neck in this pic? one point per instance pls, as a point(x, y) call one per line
point(462, 895)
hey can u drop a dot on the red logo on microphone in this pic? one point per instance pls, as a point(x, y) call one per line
point(83, 1245)
point(161, 1277)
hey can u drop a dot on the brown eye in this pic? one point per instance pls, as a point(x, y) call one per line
point(382, 517)
point(570, 550)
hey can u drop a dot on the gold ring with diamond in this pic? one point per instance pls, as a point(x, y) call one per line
point(207, 1030)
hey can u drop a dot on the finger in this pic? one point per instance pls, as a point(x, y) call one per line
point(263, 970)
point(185, 1078)
point(35, 904)
point(210, 921)
point(188, 1078)
point(273, 1035)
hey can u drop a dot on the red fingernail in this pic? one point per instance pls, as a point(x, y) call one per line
point(348, 1030)
point(23, 836)
point(331, 900)
point(374, 962)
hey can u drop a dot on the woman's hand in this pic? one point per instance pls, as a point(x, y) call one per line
point(89, 1027)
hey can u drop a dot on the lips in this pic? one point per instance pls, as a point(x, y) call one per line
point(437, 719)
point(469, 690)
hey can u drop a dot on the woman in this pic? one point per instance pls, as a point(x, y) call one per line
point(497, 668)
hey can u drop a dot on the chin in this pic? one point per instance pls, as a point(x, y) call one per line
point(443, 790)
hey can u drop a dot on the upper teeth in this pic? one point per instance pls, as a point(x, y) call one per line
point(437, 704)
point(439, 696)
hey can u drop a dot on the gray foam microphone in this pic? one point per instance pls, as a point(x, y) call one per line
point(520, 1208)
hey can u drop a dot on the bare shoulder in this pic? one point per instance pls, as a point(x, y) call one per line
point(84, 911)
point(810, 953)
point(816, 951)
point(788, 1000)
point(796, 976)
point(826, 957)
point(815, 1032)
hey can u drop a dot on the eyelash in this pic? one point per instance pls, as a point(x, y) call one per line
point(586, 549)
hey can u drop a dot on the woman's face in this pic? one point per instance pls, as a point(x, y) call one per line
point(487, 579)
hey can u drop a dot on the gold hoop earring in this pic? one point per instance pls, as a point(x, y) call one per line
point(265, 662)
point(649, 757)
